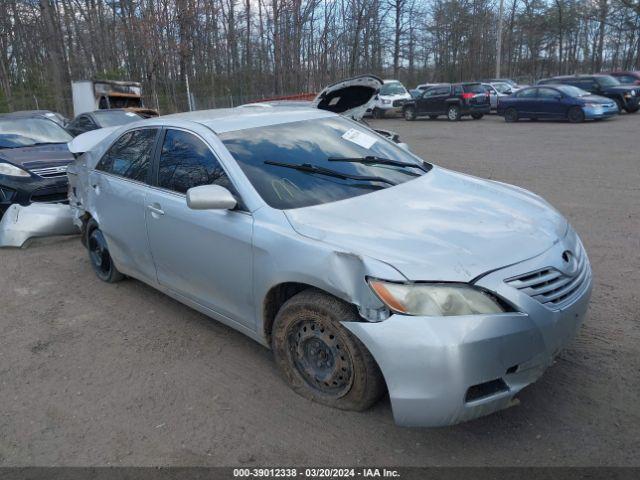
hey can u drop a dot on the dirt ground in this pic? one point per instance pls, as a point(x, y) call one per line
point(97, 374)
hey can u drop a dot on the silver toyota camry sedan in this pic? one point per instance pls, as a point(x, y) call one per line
point(363, 267)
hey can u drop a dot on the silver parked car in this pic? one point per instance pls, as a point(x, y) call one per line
point(362, 266)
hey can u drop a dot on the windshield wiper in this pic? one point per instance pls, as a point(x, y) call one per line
point(307, 167)
point(40, 144)
point(371, 160)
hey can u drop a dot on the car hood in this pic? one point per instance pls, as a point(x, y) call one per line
point(349, 97)
point(38, 156)
point(596, 99)
point(621, 89)
point(443, 226)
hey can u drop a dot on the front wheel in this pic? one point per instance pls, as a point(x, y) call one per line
point(320, 359)
point(453, 113)
point(511, 115)
point(575, 115)
point(477, 116)
point(410, 114)
point(99, 256)
point(632, 109)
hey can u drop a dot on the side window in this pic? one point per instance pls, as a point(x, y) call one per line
point(457, 90)
point(130, 156)
point(428, 93)
point(442, 91)
point(186, 162)
point(528, 93)
point(85, 123)
point(547, 93)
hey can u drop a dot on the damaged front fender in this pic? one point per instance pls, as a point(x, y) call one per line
point(20, 224)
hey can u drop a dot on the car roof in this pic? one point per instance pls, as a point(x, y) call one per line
point(222, 120)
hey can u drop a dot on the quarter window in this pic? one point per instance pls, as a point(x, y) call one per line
point(187, 162)
point(130, 156)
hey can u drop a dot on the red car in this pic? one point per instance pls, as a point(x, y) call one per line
point(626, 78)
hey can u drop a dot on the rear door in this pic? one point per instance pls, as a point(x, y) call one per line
point(118, 187)
point(203, 255)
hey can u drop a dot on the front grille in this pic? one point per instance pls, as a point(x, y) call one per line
point(398, 103)
point(50, 172)
point(56, 194)
point(550, 286)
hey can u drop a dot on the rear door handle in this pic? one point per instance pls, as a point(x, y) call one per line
point(155, 208)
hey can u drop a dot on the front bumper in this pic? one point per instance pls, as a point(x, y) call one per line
point(430, 364)
point(25, 191)
point(601, 112)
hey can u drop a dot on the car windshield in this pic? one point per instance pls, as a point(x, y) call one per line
point(607, 81)
point(502, 87)
point(113, 119)
point(26, 132)
point(394, 88)
point(572, 91)
point(318, 161)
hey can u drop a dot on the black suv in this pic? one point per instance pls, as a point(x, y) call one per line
point(625, 96)
point(453, 100)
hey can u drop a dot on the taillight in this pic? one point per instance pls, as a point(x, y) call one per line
point(467, 96)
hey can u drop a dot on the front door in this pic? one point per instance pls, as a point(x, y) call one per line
point(550, 103)
point(204, 255)
point(119, 184)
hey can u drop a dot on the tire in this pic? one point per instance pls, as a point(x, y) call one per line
point(99, 256)
point(619, 104)
point(632, 109)
point(321, 360)
point(410, 114)
point(453, 113)
point(511, 115)
point(575, 115)
point(378, 113)
point(433, 117)
point(477, 116)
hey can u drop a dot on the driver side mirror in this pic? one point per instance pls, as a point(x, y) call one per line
point(210, 197)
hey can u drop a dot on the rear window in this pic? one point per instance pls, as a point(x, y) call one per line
point(113, 119)
point(474, 88)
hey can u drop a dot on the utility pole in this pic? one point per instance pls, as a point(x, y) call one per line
point(499, 39)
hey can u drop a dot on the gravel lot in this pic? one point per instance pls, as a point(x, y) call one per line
point(97, 374)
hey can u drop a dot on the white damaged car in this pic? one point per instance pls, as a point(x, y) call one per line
point(365, 268)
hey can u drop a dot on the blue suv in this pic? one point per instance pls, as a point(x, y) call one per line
point(563, 102)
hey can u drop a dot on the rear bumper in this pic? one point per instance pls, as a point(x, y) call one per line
point(469, 109)
point(445, 370)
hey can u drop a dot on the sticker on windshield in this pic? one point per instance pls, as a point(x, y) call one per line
point(359, 138)
point(131, 114)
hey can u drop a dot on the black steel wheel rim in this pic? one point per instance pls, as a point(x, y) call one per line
point(320, 358)
point(99, 253)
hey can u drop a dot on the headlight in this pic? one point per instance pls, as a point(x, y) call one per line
point(435, 299)
point(386, 102)
point(593, 105)
point(12, 170)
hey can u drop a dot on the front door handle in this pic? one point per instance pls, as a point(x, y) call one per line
point(155, 209)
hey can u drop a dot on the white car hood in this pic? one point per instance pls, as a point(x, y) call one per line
point(443, 226)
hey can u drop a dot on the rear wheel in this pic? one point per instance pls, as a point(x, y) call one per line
point(575, 115)
point(453, 113)
point(378, 113)
point(477, 116)
point(410, 114)
point(511, 115)
point(99, 256)
point(321, 359)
